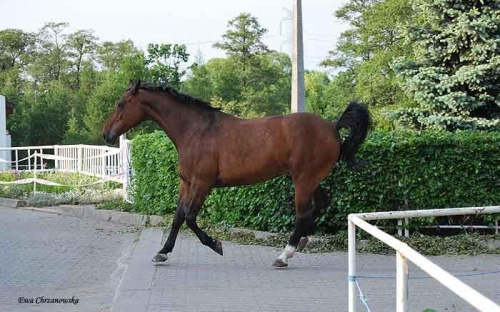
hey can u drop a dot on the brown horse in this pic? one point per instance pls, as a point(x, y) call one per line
point(217, 149)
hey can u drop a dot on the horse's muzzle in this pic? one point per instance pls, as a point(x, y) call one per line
point(109, 139)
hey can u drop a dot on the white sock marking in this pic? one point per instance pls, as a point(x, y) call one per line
point(287, 253)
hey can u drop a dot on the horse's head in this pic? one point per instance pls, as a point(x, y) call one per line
point(128, 113)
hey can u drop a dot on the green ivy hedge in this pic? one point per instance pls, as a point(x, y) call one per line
point(406, 170)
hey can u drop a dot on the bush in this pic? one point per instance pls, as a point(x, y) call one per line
point(406, 170)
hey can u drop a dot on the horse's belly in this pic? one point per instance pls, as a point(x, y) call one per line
point(250, 171)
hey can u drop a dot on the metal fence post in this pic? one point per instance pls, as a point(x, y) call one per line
point(401, 283)
point(352, 264)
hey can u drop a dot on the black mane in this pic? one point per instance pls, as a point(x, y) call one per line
point(181, 97)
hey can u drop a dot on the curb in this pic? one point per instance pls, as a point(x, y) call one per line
point(11, 203)
point(133, 219)
point(134, 290)
point(89, 211)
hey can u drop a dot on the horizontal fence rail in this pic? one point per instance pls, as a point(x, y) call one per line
point(405, 252)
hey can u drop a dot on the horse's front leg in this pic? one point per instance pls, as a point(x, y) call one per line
point(179, 218)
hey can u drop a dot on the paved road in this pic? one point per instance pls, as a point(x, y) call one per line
point(197, 279)
point(54, 256)
point(102, 264)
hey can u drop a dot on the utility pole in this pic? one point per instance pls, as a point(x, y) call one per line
point(298, 88)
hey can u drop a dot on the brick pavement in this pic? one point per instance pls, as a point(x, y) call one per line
point(197, 279)
point(54, 256)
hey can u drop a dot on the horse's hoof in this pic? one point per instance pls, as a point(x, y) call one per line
point(218, 247)
point(278, 263)
point(160, 258)
point(303, 242)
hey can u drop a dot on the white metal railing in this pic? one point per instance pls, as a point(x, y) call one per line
point(108, 163)
point(405, 253)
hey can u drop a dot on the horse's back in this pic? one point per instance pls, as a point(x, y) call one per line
point(255, 150)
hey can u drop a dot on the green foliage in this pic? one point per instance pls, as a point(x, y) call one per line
point(14, 43)
point(455, 76)
point(43, 116)
point(156, 181)
point(81, 46)
point(116, 204)
point(110, 54)
point(365, 51)
point(262, 89)
point(316, 84)
point(165, 61)
point(406, 170)
point(243, 38)
point(252, 81)
point(100, 106)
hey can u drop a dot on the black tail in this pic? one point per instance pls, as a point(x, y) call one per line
point(357, 119)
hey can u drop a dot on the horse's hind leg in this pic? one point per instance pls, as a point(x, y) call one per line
point(304, 223)
point(321, 200)
point(197, 198)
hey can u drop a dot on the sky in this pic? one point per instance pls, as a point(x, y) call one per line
point(196, 23)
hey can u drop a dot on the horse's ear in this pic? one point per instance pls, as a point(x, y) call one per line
point(134, 86)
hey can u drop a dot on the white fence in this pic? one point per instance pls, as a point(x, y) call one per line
point(405, 252)
point(107, 163)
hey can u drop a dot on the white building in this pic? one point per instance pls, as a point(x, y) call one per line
point(6, 108)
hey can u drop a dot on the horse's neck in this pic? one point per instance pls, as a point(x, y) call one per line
point(179, 121)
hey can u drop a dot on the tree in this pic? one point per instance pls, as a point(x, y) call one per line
point(165, 63)
point(244, 37)
point(267, 89)
point(198, 82)
point(316, 84)
point(49, 61)
point(454, 76)
point(110, 54)
point(368, 48)
point(243, 41)
point(14, 44)
point(44, 114)
point(81, 46)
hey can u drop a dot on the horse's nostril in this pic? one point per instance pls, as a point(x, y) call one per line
point(104, 137)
